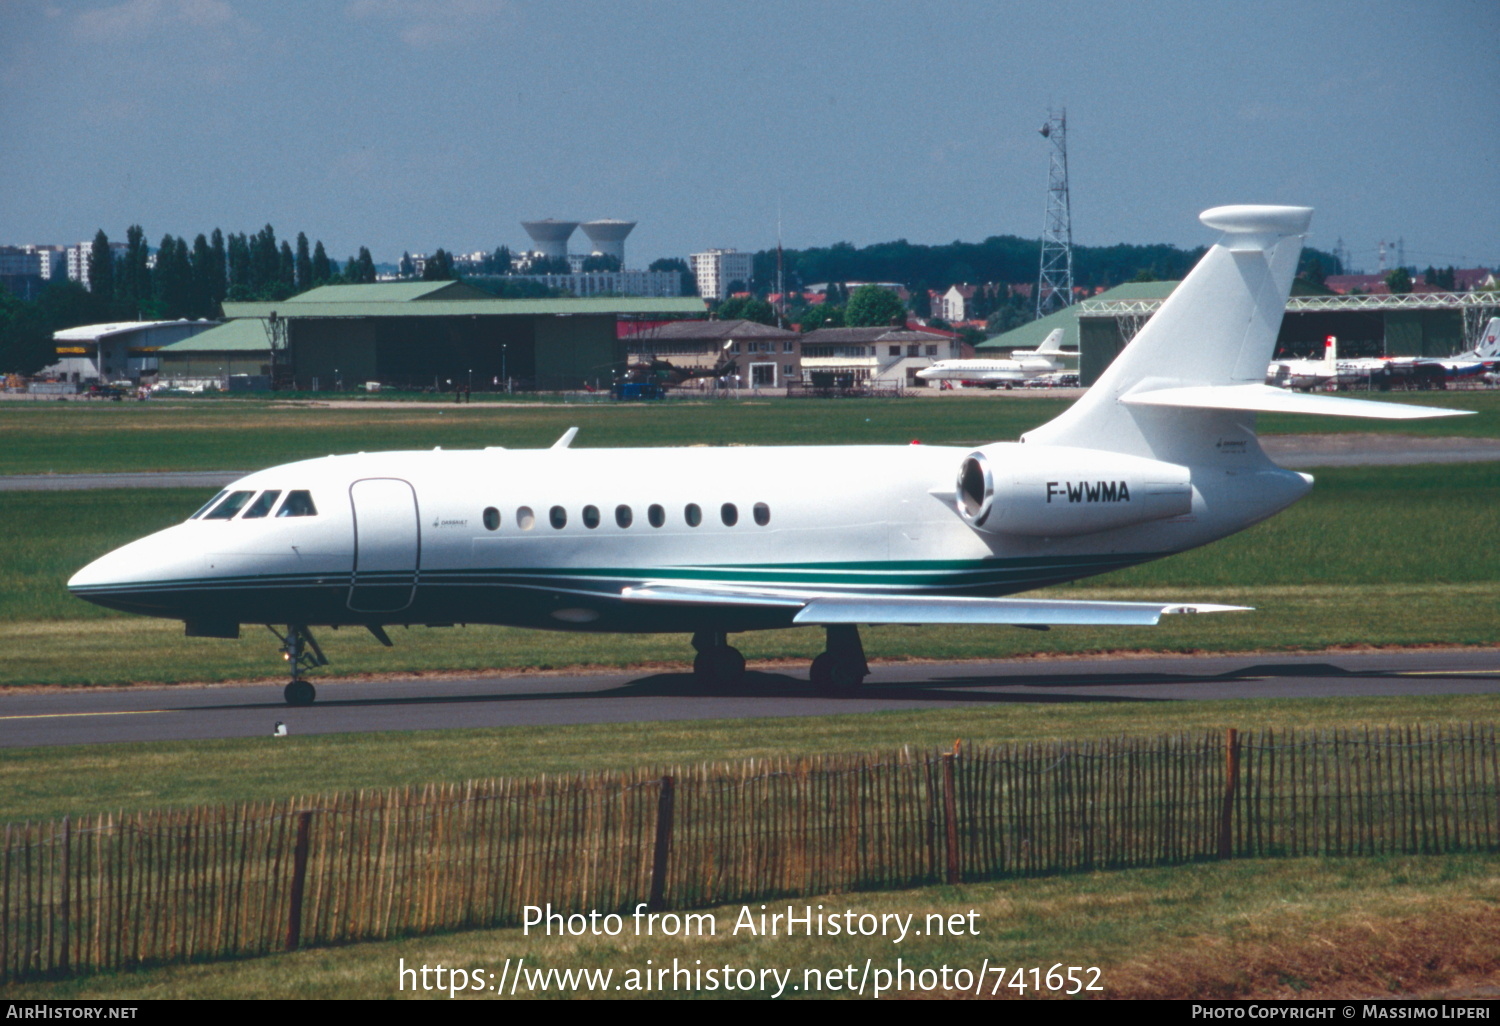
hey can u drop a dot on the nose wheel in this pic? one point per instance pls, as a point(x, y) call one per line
point(301, 652)
point(843, 665)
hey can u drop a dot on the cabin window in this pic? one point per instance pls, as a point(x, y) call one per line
point(230, 506)
point(692, 514)
point(491, 519)
point(208, 505)
point(762, 514)
point(559, 517)
point(729, 514)
point(591, 517)
point(525, 518)
point(655, 515)
point(623, 516)
point(298, 504)
point(262, 505)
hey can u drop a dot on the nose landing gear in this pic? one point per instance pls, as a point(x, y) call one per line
point(301, 652)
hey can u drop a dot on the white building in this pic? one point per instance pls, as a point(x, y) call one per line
point(716, 268)
point(123, 351)
point(78, 261)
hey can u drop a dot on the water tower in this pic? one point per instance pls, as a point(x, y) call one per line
point(608, 237)
point(550, 237)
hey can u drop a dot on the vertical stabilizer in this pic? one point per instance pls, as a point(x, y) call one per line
point(1487, 347)
point(1218, 328)
point(1052, 344)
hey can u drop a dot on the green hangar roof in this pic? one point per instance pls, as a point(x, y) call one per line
point(449, 299)
point(243, 336)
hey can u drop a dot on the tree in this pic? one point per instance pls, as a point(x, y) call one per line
point(219, 269)
point(822, 315)
point(286, 269)
point(304, 262)
point(405, 268)
point(25, 336)
point(746, 308)
point(322, 270)
point(600, 262)
point(872, 305)
point(439, 266)
point(1398, 281)
point(102, 268)
point(366, 269)
point(133, 286)
point(689, 284)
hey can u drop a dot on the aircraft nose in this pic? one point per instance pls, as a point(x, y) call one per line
point(140, 577)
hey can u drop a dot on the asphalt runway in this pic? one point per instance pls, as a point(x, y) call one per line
point(87, 716)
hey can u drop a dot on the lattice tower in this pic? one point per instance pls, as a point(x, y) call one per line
point(1054, 288)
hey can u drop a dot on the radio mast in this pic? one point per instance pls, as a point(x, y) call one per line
point(1054, 287)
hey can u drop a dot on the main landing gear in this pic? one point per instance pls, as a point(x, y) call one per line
point(717, 661)
point(301, 652)
point(842, 665)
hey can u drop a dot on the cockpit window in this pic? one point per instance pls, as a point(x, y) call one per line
point(208, 505)
point(229, 507)
point(262, 505)
point(298, 504)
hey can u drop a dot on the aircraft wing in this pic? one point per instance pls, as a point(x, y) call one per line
point(819, 608)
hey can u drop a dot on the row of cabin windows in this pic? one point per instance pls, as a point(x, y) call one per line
point(226, 505)
point(656, 516)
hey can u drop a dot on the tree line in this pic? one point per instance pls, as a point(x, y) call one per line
point(184, 281)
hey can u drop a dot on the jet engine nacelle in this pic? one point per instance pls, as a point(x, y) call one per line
point(1057, 491)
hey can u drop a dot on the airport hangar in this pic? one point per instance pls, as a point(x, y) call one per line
point(445, 334)
point(1436, 324)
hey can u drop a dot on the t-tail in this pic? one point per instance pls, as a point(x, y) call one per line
point(1187, 388)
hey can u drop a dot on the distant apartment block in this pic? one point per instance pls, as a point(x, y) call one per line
point(78, 260)
point(716, 268)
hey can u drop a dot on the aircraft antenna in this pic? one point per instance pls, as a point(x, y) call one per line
point(1054, 287)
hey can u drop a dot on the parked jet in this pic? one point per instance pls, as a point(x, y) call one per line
point(1023, 365)
point(1306, 374)
point(1158, 457)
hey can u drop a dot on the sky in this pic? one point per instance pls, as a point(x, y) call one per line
point(405, 125)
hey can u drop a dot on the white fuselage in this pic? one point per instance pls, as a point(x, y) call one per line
point(469, 536)
point(992, 372)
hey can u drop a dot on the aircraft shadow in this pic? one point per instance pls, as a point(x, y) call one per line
point(959, 688)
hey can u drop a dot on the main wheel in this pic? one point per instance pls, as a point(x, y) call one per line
point(719, 665)
point(830, 673)
point(299, 692)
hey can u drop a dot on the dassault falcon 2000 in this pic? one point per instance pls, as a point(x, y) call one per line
point(1157, 457)
point(1023, 365)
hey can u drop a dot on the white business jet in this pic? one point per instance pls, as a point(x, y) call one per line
point(1159, 456)
point(1023, 365)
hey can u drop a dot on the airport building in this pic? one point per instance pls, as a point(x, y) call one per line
point(882, 356)
point(127, 351)
point(441, 335)
point(733, 353)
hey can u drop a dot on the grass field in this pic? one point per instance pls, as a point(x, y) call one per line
point(1299, 928)
point(80, 437)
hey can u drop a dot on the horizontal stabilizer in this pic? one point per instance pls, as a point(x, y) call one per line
point(1269, 399)
point(825, 608)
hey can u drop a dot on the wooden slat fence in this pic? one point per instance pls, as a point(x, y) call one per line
point(255, 877)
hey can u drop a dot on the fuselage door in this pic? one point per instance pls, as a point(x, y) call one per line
point(385, 545)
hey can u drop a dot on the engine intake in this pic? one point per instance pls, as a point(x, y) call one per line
point(1056, 492)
